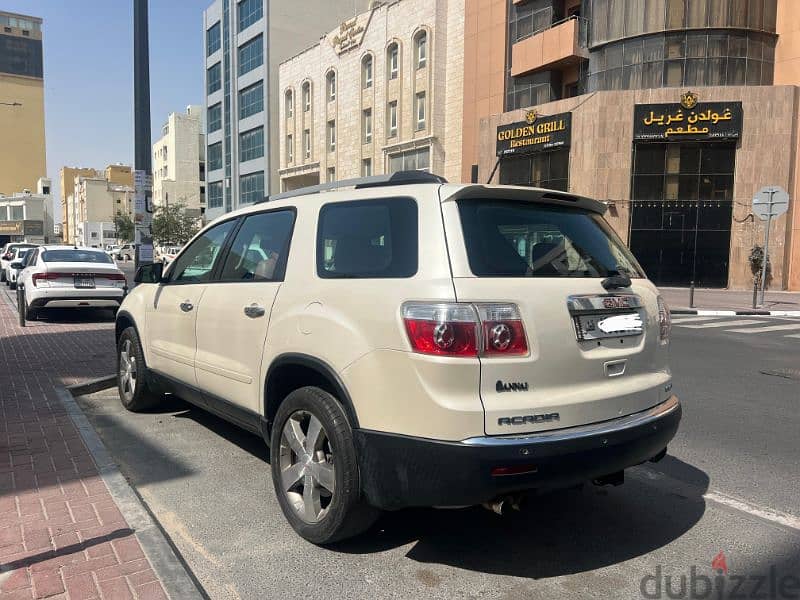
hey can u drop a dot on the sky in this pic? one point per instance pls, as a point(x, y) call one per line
point(88, 74)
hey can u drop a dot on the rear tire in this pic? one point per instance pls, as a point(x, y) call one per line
point(314, 468)
point(12, 285)
point(134, 392)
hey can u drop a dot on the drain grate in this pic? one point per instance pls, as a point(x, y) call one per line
point(785, 373)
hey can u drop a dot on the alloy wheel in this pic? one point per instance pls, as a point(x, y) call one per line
point(306, 466)
point(127, 370)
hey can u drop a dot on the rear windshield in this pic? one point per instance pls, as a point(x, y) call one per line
point(522, 239)
point(88, 256)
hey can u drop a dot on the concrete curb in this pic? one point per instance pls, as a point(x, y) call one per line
point(170, 567)
point(93, 385)
point(733, 313)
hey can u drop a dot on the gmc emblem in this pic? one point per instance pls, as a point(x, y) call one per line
point(616, 302)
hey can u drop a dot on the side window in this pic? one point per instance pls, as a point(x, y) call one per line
point(368, 239)
point(197, 262)
point(30, 258)
point(260, 249)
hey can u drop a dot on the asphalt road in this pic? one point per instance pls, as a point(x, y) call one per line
point(729, 483)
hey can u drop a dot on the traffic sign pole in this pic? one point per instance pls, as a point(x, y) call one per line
point(770, 201)
point(765, 260)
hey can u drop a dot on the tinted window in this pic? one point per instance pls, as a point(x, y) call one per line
point(520, 239)
point(197, 262)
point(259, 251)
point(21, 56)
point(76, 255)
point(370, 238)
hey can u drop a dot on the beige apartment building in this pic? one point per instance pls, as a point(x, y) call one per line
point(89, 200)
point(179, 166)
point(673, 112)
point(380, 93)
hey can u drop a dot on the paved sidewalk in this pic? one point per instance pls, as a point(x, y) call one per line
point(733, 300)
point(61, 533)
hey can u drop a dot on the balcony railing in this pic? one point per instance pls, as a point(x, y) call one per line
point(542, 20)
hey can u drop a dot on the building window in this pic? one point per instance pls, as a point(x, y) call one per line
point(214, 158)
point(307, 143)
point(214, 199)
point(366, 72)
point(410, 160)
point(250, 11)
point(213, 39)
point(532, 90)
point(391, 119)
point(251, 144)
point(289, 148)
point(421, 49)
point(331, 174)
point(543, 169)
point(251, 188)
point(251, 55)
point(288, 101)
point(17, 213)
point(306, 96)
point(420, 109)
point(366, 167)
point(330, 84)
point(214, 118)
point(393, 61)
point(214, 78)
point(366, 125)
point(251, 100)
point(331, 136)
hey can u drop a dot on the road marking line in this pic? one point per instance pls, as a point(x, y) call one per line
point(768, 328)
point(657, 478)
point(794, 335)
point(723, 324)
point(677, 320)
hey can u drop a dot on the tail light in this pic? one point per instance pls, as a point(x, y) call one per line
point(664, 321)
point(111, 276)
point(7, 256)
point(467, 330)
point(44, 278)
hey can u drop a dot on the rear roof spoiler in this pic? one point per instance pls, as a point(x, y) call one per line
point(528, 194)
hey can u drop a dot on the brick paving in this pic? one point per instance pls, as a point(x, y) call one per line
point(61, 534)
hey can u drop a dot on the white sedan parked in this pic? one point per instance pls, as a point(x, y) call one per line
point(68, 277)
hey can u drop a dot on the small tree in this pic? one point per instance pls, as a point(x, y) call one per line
point(756, 260)
point(173, 225)
point(124, 226)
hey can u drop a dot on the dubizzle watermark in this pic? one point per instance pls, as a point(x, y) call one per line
point(720, 586)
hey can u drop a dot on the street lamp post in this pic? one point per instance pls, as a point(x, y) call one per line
point(142, 177)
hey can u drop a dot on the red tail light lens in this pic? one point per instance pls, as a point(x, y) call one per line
point(460, 329)
point(111, 276)
point(503, 332)
point(445, 329)
point(43, 277)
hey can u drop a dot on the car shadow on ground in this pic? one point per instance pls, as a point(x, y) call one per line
point(561, 533)
point(75, 315)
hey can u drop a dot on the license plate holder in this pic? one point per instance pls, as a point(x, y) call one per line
point(607, 325)
point(84, 282)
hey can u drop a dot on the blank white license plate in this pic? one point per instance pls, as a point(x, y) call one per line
point(595, 327)
point(84, 282)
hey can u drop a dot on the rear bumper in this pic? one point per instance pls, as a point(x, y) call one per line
point(97, 300)
point(399, 471)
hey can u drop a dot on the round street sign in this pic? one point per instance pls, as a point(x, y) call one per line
point(770, 201)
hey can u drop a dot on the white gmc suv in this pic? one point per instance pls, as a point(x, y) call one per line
point(400, 341)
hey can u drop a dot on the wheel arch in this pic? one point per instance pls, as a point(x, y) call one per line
point(292, 371)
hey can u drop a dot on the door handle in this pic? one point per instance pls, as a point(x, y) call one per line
point(186, 306)
point(254, 311)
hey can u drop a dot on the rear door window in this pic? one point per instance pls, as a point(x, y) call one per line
point(368, 239)
point(523, 239)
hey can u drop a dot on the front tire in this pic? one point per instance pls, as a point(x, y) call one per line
point(314, 468)
point(134, 392)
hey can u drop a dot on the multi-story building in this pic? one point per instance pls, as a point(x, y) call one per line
point(179, 166)
point(380, 93)
point(674, 112)
point(96, 201)
point(22, 141)
point(67, 177)
point(245, 41)
point(27, 216)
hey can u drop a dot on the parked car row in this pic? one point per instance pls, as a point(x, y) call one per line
point(66, 277)
point(11, 253)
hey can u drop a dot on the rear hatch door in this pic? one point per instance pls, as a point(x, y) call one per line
point(594, 354)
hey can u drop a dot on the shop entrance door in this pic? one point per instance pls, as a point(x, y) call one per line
point(681, 211)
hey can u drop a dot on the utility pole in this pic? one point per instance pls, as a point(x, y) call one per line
point(142, 176)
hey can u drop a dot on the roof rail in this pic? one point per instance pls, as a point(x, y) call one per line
point(397, 178)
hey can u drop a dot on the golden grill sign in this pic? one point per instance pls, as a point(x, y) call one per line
point(535, 134)
point(687, 120)
point(11, 228)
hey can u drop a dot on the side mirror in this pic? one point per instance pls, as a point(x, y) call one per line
point(151, 273)
point(16, 265)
